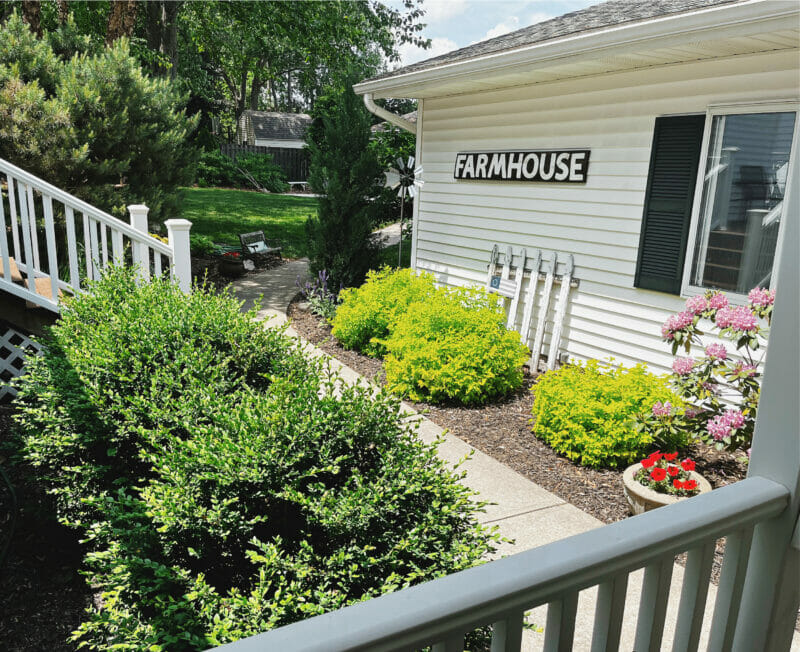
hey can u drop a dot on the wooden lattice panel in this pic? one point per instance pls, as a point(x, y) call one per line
point(14, 347)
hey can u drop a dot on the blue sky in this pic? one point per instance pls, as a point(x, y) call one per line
point(453, 24)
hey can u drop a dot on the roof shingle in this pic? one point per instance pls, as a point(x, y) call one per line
point(279, 126)
point(606, 14)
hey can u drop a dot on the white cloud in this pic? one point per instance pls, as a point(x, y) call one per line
point(439, 10)
point(411, 53)
point(539, 17)
point(508, 25)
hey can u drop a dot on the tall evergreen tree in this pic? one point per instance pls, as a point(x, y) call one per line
point(345, 171)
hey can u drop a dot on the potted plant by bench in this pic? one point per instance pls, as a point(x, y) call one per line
point(231, 264)
point(661, 479)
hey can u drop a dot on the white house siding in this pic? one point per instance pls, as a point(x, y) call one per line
point(598, 222)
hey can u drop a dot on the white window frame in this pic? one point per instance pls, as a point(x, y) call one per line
point(782, 106)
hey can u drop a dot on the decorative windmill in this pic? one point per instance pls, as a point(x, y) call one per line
point(409, 179)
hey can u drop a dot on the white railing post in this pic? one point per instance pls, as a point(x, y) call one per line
point(178, 234)
point(141, 258)
point(771, 592)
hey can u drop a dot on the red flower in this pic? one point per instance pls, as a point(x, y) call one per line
point(658, 474)
point(678, 484)
point(673, 470)
point(687, 465)
point(647, 462)
point(670, 456)
point(655, 456)
point(690, 485)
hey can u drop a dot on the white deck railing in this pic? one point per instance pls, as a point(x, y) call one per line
point(59, 242)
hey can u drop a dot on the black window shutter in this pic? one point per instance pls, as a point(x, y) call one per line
point(668, 202)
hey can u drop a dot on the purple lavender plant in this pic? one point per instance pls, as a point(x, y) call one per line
point(322, 300)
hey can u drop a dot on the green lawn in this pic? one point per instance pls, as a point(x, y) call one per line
point(389, 255)
point(223, 214)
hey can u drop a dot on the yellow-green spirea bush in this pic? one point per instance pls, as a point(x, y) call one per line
point(587, 412)
point(365, 314)
point(454, 347)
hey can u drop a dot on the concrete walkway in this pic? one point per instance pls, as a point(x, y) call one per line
point(391, 233)
point(522, 510)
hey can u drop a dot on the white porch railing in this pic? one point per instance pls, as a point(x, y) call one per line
point(441, 612)
point(44, 259)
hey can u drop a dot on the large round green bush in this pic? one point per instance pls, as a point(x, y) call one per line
point(588, 412)
point(366, 313)
point(223, 483)
point(454, 346)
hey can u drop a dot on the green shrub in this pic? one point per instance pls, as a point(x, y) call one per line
point(454, 346)
point(264, 171)
point(220, 492)
point(366, 313)
point(125, 359)
point(215, 170)
point(588, 412)
point(201, 245)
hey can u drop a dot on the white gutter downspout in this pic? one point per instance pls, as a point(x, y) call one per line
point(388, 115)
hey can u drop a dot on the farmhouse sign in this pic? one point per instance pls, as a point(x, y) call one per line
point(563, 166)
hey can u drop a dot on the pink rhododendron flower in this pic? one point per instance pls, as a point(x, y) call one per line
point(691, 413)
point(717, 301)
point(675, 323)
point(761, 297)
point(696, 305)
point(660, 410)
point(739, 318)
point(716, 351)
point(717, 428)
point(734, 418)
point(721, 425)
point(683, 366)
point(744, 369)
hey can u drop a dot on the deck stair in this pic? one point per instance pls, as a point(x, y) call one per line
point(52, 243)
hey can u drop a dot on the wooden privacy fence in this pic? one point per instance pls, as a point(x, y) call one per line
point(293, 162)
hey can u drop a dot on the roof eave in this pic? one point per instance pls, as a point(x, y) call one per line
point(719, 20)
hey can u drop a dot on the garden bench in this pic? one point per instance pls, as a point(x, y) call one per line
point(255, 244)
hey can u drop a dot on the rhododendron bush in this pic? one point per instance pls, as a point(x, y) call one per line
point(722, 385)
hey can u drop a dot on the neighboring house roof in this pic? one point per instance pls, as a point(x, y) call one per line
point(384, 126)
point(598, 16)
point(278, 126)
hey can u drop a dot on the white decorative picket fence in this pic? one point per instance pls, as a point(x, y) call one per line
point(41, 267)
point(537, 267)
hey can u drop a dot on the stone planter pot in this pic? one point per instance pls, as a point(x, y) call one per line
point(231, 268)
point(642, 499)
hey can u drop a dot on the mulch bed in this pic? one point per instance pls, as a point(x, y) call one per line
point(42, 595)
point(502, 431)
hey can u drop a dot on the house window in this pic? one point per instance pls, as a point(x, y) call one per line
point(737, 222)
